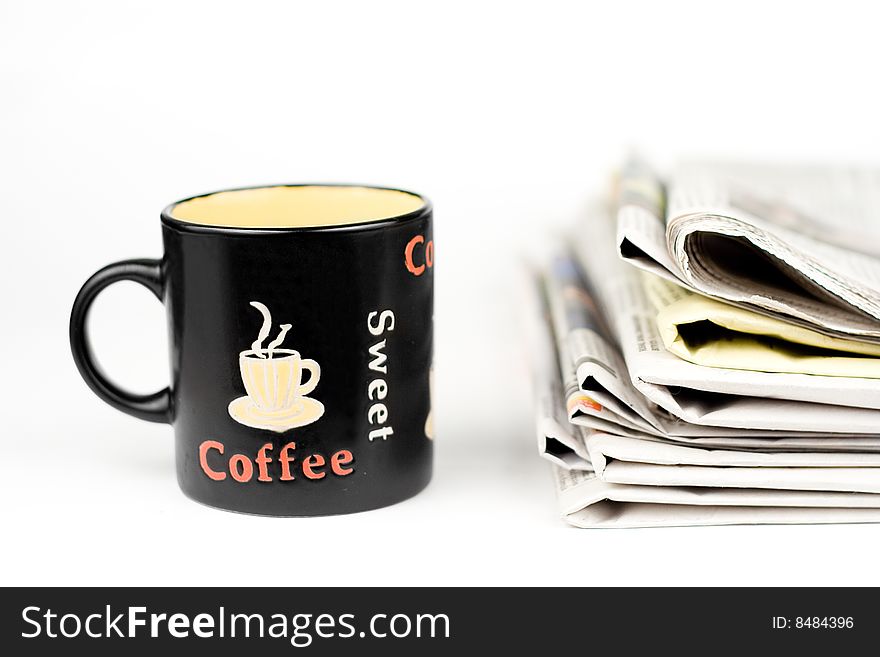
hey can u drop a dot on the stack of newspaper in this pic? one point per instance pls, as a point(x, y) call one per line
point(708, 350)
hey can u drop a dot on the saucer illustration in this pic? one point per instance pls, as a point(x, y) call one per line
point(245, 411)
point(276, 396)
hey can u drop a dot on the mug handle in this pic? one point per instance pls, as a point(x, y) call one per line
point(155, 407)
point(315, 374)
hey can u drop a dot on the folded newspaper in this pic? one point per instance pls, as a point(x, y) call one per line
point(719, 384)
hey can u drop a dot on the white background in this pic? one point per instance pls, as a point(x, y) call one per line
point(507, 116)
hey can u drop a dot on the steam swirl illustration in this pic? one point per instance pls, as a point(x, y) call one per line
point(257, 345)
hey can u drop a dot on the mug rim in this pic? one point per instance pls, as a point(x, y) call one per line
point(195, 227)
point(282, 350)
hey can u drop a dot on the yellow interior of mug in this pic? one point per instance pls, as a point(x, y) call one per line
point(307, 206)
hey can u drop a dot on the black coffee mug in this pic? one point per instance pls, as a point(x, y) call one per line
point(301, 333)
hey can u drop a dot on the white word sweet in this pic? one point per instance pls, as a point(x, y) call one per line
point(377, 389)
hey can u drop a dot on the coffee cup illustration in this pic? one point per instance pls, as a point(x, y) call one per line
point(429, 422)
point(277, 382)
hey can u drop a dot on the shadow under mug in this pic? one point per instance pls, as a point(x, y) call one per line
point(301, 335)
